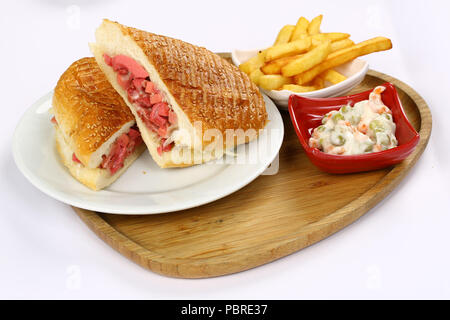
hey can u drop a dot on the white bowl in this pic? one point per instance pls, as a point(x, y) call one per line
point(355, 72)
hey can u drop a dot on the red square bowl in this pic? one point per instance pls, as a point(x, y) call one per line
point(306, 114)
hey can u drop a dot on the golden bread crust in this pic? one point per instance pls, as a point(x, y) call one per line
point(207, 87)
point(87, 181)
point(87, 108)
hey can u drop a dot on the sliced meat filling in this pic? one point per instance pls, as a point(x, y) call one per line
point(124, 145)
point(156, 113)
point(121, 149)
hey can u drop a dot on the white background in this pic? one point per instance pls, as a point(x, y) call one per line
point(400, 249)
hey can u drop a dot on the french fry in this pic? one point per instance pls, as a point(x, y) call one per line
point(253, 63)
point(307, 61)
point(284, 35)
point(315, 42)
point(320, 38)
point(303, 59)
point(273, 81)
point(288, 49)
point(341, 44)
point(333, 76)
point(332, 36)
point(301, 29)
point(297, 88)
point(274, 66)
point(255, 75)
point(318, 82)
point(314, 26)
point(343, 56)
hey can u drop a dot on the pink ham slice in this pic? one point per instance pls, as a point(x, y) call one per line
point(124, 80)
point(121, 149)
point(155, 98)
point(154, 112)
point(121, 62)
point(118, 153)
point(163, 148)
point(157, 110)
point(172, 117)
point(150, 88)
point(139, 83)
point(108, 59)
point(75, 159)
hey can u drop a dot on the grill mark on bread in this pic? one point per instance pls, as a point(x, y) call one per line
point(83, 99)
point(207, 88)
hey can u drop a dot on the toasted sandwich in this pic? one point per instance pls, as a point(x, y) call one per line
point(190, 104)
point(96, 134)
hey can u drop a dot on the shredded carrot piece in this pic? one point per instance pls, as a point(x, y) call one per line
point(377, 148)
point(362, 128)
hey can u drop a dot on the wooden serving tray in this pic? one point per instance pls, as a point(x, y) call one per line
point(270, 218)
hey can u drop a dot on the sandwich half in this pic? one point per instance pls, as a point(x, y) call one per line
point(96, 134)
point(190, 105)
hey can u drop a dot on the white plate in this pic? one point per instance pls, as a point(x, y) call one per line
point(156, 191)
point(355, 71)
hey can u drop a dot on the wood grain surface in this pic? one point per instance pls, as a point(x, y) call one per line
point(270, 218)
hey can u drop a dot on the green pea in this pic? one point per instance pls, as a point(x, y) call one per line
point(342, 140)
point(337, 117)
point(369, 148)
point(321, 128)
point(321, 141)
point(338, 140)
point(345, 109)
point(354, 120)
point(376, 126)
point(384, 139)
point(387, 116)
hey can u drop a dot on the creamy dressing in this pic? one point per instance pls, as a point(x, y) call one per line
point(366, 127)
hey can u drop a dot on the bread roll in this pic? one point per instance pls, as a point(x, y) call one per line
point(207, 94)
point(90, 118)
